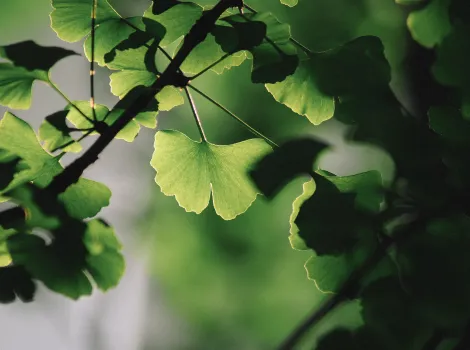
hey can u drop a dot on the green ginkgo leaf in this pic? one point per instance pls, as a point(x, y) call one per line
point(84, 199)
point(177, 19)
point(71, 19)
point(430, 25)
point(56, 134)
point(168, 98)
point(276, 59)
point(67, 269)
point(109, 34)
point(290, 3)
point(300, 93)
point(207, 53)
point(28, 62)
point(191, 171)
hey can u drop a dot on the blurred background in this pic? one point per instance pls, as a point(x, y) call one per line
point(196, 281)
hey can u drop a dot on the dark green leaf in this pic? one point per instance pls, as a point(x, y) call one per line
point(55, 133)
point(292, 159)
point(177, 19)
point(31, 56)
point(16, 282)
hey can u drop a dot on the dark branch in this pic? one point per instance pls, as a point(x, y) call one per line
point(74, 171)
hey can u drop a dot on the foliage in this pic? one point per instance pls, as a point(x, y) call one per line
point(397, 248)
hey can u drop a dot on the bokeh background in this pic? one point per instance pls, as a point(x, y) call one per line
point(196, 281)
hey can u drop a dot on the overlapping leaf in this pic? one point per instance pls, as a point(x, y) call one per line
point(29, 62)
point(17, 138)
point(55, 133)
point(191, 171)
point(103, 114)
point(70, 19)
point(300, 93)
point(177, 17)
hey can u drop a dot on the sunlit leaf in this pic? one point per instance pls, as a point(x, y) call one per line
point(177, 19)
point(300, 93)
point(83, 199)
point(191, 171)
point(29, 62)
point(55, 133)
point(168, 98)
point(71, 19)
point(290, 3)
point(430, 25)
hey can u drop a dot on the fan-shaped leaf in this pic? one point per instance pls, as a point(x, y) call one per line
point(300, 93)
point(177, 19)
point(29, 62)
point(191, 170)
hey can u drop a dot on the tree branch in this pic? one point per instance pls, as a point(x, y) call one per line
point(74, 171)
point(351, 286)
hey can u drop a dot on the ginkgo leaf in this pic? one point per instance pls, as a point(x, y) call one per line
point(276, 59)
point(70, 267)
point(234, 33)
point(308, 189)
point(31, 56)
point(56, 134)
point(177, 19)
point(430, 25)
point(71, 19)
point(191, 170)
point(133, 70)
point(84, 199)
point(293, 158)
point(207, 53)
point(168, 98)
point(108, 34)
point(290, 3)
point(333, 219)
point(300, 93)
point(16, 282)
point(29, 62)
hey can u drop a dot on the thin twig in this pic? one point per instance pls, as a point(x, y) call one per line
point(56, 88)
point(72, 142)
point(246, 125)
point(294, 41)
point(196, 114)
point(351, 286)
point(211, 66)
point(92, 63)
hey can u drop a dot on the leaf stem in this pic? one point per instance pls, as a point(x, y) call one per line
point(92, 62)
point(294, 41)
point(211, 66)
point(56, 88)
point(72, 142)
point(245, 124)
point(196, 114)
